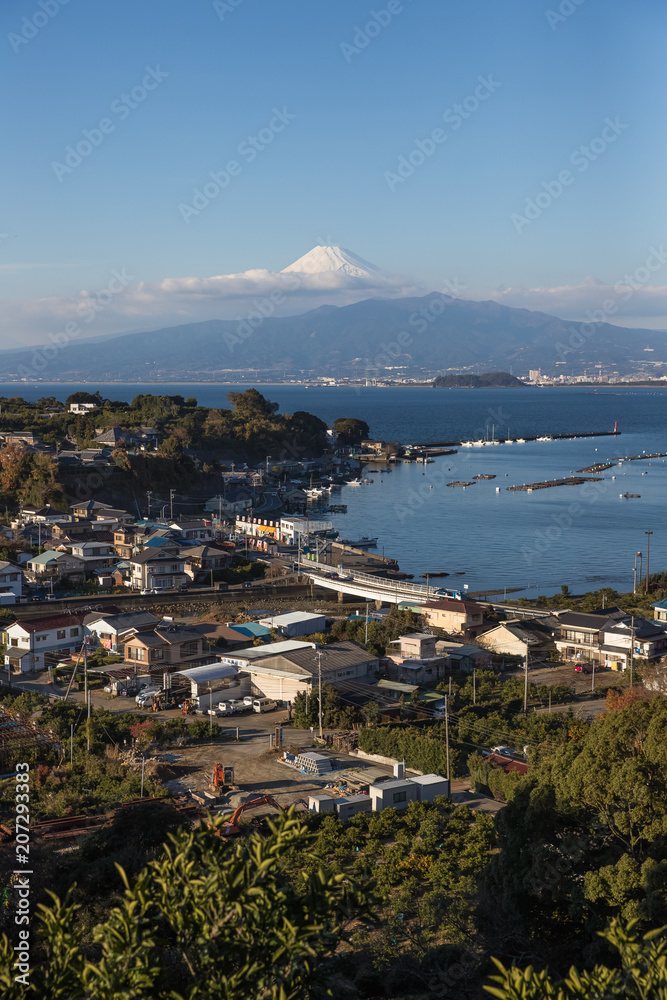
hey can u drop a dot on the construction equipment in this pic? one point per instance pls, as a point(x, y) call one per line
point(188, 707)
point(223, 779)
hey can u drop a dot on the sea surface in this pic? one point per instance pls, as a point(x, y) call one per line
point(585, 537)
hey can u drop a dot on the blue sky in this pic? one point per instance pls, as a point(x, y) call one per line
point(323, 178)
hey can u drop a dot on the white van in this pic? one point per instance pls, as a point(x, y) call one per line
point(147, 693)
point(263, 705)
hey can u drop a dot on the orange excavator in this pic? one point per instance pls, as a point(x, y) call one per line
point(232, 828)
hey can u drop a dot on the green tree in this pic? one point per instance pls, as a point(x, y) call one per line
point(206, 921)
point(350, 430)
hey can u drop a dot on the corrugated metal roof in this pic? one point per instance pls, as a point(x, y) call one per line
point(211, 672)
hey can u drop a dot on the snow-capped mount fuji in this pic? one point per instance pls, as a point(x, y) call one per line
point(337, 259)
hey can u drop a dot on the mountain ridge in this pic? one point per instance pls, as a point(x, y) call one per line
point(373, 338)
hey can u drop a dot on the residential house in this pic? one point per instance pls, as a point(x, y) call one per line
point(88, 508)
point(633, 637)
point(416, 660)
point(37, 643)
point(226, 636)
point(463, 656)
point(198, 531)
point(453, 615)
point(167, 646)
point(95, 555)
point(154, 570)
point(35, 514)
point(28, 438)
point(285, 672)
point(53, 565)
point(11, 581)
point(201, 560)
point(125, 541)
point(534, 637)
point(233, 502)
point(660, 611)
point(82, 408)
point(581, 635)
point(113, 631)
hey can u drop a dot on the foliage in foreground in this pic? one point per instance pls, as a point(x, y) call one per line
point(209, 920)
point(642, 975)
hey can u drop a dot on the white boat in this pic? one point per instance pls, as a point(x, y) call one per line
point(520, 441)
point(478, 444)
point(313, 492)
point(545, 438)
point(361, 543)
point(467, 444)
point(354, 482)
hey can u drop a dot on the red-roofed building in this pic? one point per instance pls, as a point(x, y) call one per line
point(28, 642)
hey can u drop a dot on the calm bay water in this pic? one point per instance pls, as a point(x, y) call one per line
point(582, 536)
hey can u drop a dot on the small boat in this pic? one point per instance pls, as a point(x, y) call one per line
point(467, 444)
point(361, 543)
point(520, 441)
point(354, 482)
point(478, 444)
point(629, 496)
point(544, 438)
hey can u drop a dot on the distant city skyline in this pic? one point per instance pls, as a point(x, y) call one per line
point(166, 161)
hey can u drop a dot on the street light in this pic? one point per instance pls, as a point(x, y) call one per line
point(319, 654)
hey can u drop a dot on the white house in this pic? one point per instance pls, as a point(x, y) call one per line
point(82, 408)
point(29, 642)
point(11, 581)
point(95, 555)
point(153, 570)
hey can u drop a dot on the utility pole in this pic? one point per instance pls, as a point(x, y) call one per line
point(525, 688)
point(319, 655)
point(143, 765)
point(86, 693)
point(71, 743)
point(366, 636)
point(648, 548)
point(474, 687)
point(632, 647)
point(171, 504)
point(447, 732)
point(149, 494)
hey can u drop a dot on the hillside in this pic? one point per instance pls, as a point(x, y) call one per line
point(421, 336)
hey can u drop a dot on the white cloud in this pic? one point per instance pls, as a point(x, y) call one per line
point(172, 301)
point(636, 303)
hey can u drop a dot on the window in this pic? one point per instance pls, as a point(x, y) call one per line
point(157, 654)
point(400, 796)
point(73, 632)
point(133, 653)
point(189, 648)
point(61, 633)
point(40, 638)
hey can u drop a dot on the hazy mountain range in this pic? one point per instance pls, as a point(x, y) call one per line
point(371, 338)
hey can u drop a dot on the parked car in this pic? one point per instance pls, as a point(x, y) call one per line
point(51, 597)
point(504, 751)
point(150, 590)
point(248, 700)
point(584, 668)
point(236, 705)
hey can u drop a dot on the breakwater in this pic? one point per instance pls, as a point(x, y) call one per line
point(549, 483)
point(530, 437)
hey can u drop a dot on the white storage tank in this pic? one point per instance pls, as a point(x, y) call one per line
point(349, 805)
point(429, 786)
